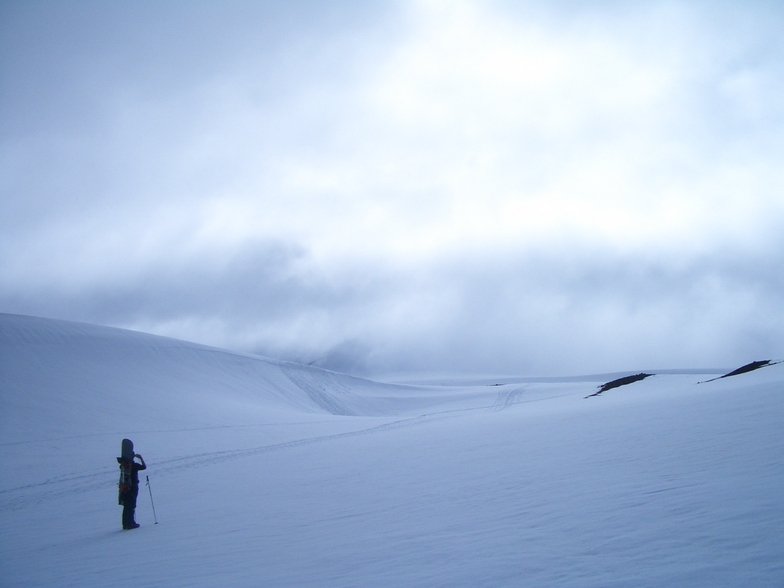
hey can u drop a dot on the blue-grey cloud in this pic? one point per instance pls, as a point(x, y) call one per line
point(471, 186)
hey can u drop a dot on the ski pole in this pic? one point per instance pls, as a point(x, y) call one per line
point(151, 502)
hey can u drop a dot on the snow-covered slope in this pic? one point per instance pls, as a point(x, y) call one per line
point(83, 374)
point(272, 474)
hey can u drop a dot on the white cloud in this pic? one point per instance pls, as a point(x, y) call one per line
point(398, 162)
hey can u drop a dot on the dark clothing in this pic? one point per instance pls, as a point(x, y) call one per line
point(128, 497)
point(129, 508)
point(136, 468)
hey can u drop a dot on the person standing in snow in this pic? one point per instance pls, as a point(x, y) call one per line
point(129, 483)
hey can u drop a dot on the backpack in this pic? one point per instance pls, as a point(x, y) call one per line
point(126, 478)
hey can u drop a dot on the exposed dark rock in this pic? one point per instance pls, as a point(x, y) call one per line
point(749, 367)
point(619, 382)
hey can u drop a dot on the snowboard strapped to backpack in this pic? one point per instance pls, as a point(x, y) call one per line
point(126, 470)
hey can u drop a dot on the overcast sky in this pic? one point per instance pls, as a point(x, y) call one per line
point(497, 187)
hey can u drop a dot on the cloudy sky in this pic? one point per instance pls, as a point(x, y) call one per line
point(490, 187)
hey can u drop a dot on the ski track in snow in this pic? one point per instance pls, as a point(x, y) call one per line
point(37, 493)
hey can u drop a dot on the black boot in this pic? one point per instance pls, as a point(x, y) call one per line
point(128, 518)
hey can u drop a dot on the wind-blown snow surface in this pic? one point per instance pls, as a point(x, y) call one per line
point(271, 474)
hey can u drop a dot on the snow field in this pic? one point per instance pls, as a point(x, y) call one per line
point(258, 483)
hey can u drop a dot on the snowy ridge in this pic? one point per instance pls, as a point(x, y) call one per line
point(271, 473)
point(158, 379)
